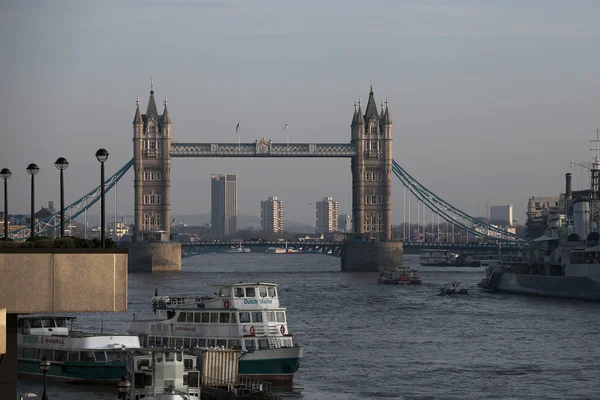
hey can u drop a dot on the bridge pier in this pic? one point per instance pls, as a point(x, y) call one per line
point(371, 256)
point(154, 257)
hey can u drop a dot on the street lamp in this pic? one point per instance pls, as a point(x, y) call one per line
point(61, 163)
point(32, 170)
point(102, 156)
point(5, 174)
point(44, 366)
point(124, 386)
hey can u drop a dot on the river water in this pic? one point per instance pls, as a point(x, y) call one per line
point(369, 341)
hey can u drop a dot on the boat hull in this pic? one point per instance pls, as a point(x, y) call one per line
point(399, 282)
point(273, 365)
point(76, 372)
point(571, 287)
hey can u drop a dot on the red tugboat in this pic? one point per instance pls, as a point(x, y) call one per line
point(400, 276)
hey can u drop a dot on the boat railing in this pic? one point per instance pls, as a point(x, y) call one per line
point(168, 301)
point(154, 390)
point(240, 384)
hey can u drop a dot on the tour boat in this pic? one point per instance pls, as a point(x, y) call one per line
point(452, 288)
point(74, 356)
point(163, 374)
point(240, 316)
point(400, 276)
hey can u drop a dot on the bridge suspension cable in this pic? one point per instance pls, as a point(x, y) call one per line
point(450, 213)
point(72, 211)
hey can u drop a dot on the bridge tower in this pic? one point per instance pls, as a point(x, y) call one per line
point(152, 167)
point(372, 170)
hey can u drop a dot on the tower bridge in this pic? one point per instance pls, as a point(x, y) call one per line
point(371, 163)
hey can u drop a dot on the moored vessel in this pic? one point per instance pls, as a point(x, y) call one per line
point(241, 316)
point(74, 356)
point(438, 258)
point(400, 276)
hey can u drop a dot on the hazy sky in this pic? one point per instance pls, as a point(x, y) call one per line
point(489, 99)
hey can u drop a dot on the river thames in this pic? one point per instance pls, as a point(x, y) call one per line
point(369, 341)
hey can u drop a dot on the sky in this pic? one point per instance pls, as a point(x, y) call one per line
point(489, 99)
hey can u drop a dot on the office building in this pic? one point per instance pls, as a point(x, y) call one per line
point(223, 210)
point(501, 215)
point(327, 215)
point(271, 215)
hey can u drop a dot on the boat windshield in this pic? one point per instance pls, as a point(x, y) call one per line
point(225, 292)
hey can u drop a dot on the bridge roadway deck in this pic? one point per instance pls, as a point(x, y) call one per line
point(337, 248)
point(263, 148)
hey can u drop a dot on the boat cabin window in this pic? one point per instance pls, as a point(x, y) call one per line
point(225, 292)
point(179, 342)
point(221, 343)
point(249, 344)
point(190, 317)
point(244, 317)
point(263, 344)
point(257, 316)
point(271, 291)
point(205, 317)
point(169, 356)
point(87, 356)
point(193, 343)
point(186, 343)
point(115, 356)
point(210, 342)
point(280, 316)
point(239, 292)
point(100, 356)
point(214, 317)
point(159, 357)
point(35, 323)
point(143, 365)
point(262, 291)
point(181, 317)
point(48, 323)
point(271, 316)
point(142, 380)
point(224, 318)
point(61, 323)
point(250, 292)
point(73, 356)
point(201, 342)
point(179, 356)
point(234, 344)
point(61, 355)
point(233, 318)
point(151, 341)
point(197, 317)
point(188, 364)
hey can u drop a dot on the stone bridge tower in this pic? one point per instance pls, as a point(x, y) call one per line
point(152, 167)
point(372, 170)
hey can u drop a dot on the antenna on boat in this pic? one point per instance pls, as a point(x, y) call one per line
point(101, 325)
point(156, 290)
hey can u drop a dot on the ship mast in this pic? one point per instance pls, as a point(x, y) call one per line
point(594, 167)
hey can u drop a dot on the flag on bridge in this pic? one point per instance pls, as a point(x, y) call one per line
point(237, 127)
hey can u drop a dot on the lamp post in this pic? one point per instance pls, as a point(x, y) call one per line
point(44, 366)
point(5, 174)
point(61, 163)
point(124, 387)
point(102, 156)
point(32, 170)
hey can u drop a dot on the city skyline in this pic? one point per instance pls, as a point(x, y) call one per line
point(498, 104)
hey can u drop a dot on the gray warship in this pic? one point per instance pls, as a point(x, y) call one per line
point(563, 257)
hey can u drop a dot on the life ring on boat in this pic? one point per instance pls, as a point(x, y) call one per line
point(226, 303)
point(252, 330)
point(282, 329)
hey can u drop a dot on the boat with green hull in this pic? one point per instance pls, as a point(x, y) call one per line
point(243, 316)
point(74, 356)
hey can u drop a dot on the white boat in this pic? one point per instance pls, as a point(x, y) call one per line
point(241, 316)
point(275, 250)
point(452, 288)
point(238, 249)
point(438, 258)
point(74, 356)
point(163, 374)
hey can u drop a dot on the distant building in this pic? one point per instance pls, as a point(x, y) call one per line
point(345, 223)
point(327, 215)
point(502, 215)
point(223, 210)
point(271, 215)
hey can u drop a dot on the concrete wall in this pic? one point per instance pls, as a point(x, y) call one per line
point(365, 256)
point(63, 280)
point(154, 257)
point(2, 330)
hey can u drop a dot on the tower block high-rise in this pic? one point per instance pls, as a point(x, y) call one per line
point(372, 170)
point(152, 168)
